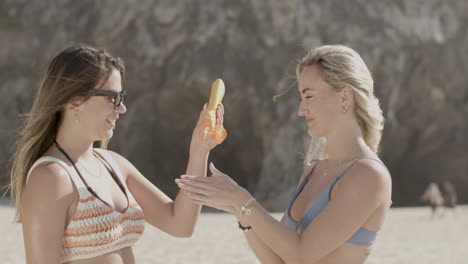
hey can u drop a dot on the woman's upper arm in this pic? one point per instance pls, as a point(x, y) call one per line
point(365, 187)
point(156, 206)
point(47, 196)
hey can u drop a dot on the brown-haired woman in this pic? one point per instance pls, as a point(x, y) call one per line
point(80, 204)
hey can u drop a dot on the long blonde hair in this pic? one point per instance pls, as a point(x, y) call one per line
point(343, 67)
point(70, 74)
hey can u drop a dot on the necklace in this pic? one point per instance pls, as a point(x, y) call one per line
point(81, 176)
point(90, 173)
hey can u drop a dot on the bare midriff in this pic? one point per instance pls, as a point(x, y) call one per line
point(120, 256)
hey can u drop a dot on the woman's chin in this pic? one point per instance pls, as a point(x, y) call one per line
point(313, 133)
point(106, 135)
point(109, 134)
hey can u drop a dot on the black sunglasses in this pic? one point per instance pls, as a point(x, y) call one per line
point(117, 97)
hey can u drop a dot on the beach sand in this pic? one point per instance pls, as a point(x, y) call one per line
point(409, 236)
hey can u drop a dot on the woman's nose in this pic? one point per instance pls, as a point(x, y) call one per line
point(300, 111)
point(122, 108)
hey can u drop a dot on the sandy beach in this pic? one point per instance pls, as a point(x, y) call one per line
point(409, 236)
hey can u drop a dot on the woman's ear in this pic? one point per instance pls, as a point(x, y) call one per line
point(347, 96)
point(75, 103)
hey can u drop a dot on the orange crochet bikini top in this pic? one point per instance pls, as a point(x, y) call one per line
point(96, 228)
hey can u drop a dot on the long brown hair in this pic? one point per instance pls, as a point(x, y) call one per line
point(70, 74)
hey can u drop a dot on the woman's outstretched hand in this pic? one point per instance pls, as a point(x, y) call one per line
point(218, 191)
point(198, 143)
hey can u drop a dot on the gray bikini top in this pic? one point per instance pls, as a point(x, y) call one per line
point(362, 236)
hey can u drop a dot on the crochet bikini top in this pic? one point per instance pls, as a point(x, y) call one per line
point(96, 228)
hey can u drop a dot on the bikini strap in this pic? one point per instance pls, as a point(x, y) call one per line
point(356, 160)
point(306, 177)
point(352, 164)
point(107, 158)
point(303, 183)
point(71, 172)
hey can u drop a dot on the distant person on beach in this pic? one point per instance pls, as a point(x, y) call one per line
point(433, 197)
point(450, 195)
point(343, 196)
point(78, 203)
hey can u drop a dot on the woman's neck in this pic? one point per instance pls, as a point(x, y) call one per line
point(347, 143)
point(77, 146)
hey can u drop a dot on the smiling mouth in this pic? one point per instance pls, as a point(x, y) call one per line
point(112, 123)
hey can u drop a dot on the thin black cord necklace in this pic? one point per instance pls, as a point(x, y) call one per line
point(78, 171)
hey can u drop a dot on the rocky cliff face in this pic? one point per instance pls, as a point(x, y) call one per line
point(174, 50)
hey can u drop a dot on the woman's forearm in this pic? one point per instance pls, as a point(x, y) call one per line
point(261, 250)
point(267, 231)
point(185, 211)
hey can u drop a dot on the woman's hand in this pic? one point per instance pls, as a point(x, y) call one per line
point(218, 191)
point(200, 144)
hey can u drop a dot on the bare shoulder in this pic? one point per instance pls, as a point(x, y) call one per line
point(369, 174)
point(50, 175)
point(49, 183)
point(371, 168)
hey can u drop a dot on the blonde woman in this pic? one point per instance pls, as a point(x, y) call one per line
point(344, 195)
point(80, 204)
